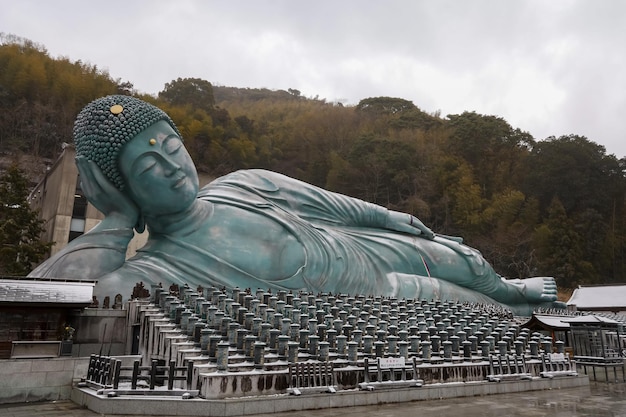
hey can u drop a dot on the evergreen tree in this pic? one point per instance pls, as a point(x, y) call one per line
point(561, 249)
point(20, 227)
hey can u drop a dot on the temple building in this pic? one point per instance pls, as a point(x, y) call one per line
point(607, 298)
point(35, 315)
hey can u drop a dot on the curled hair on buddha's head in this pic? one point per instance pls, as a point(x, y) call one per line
point(105, 125)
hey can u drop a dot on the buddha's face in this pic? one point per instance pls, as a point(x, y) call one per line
point(158, 171)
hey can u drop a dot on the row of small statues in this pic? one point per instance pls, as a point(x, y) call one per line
point(141, 292)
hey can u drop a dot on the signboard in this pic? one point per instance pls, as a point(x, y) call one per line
point(391, 363)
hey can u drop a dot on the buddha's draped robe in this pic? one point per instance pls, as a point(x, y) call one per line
point(347, 247)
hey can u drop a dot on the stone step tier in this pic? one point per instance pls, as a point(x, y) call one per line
point(236, 331)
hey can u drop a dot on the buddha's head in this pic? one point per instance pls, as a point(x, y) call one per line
point(139, 149)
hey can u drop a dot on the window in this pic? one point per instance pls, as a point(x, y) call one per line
point(79, 211)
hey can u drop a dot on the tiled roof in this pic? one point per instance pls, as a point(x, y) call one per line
point(598, 297)
point(553, 322)
point(46, 292)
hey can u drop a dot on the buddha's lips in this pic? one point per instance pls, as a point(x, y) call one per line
point(179, 182)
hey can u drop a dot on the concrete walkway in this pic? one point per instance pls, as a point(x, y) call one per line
point(599, 399)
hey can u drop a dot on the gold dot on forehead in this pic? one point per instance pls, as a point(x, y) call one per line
point(116, 109)
point(152, 142)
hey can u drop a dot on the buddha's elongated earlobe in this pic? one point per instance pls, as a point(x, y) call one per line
point(141, 224)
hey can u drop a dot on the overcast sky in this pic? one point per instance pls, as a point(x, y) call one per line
point(549, 67)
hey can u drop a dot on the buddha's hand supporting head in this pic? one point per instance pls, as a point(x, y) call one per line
point(104, 196)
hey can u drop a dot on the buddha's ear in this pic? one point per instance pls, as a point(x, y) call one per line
point(141, 224)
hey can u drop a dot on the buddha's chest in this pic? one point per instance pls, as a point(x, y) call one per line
point(251, 241)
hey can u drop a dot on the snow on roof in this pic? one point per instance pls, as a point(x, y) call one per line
point(46, 292)
point(562, 322)
point(599, 297)
point(554, 322)
point(590, 319)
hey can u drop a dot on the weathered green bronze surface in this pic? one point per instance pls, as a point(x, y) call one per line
point(253, 228)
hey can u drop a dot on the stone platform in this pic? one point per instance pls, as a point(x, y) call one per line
point(267, 404)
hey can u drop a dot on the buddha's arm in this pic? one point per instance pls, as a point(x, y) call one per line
point(101, 250)
point(316, 204)
point(320, 206)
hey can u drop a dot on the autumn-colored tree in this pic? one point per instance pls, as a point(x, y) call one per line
point(41, 96)
point(506, 228)
point(491, 146)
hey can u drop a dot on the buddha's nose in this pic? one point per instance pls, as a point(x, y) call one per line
point(171, 167)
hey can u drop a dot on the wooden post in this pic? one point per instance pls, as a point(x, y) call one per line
point(92, 367)
point(189, 374)
point(117, 368)
point(133, 381)
point(153, 372)
point(171, 373)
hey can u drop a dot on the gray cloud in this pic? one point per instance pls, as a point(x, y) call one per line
point(550, 68)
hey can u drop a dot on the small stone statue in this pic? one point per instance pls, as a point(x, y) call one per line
point(118, 302)
point(140, 291)
point(175, 290)
point(94, 302)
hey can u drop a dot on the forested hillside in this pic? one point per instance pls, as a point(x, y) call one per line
point(553, 206)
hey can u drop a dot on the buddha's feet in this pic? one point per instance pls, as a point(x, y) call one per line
point(538, 289)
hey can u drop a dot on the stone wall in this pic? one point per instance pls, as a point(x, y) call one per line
point(145, 405)
point(45, 379)
point(27, 380)
point(100, 330)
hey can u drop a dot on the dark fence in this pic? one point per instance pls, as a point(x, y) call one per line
point(108, 372)
point(391, 373)
point(508, 367)
point(311, 377)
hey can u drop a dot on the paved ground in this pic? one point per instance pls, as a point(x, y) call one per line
point(600, 400)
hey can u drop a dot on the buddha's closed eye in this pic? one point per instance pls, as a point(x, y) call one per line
point(146, 164)
point(172, 146)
